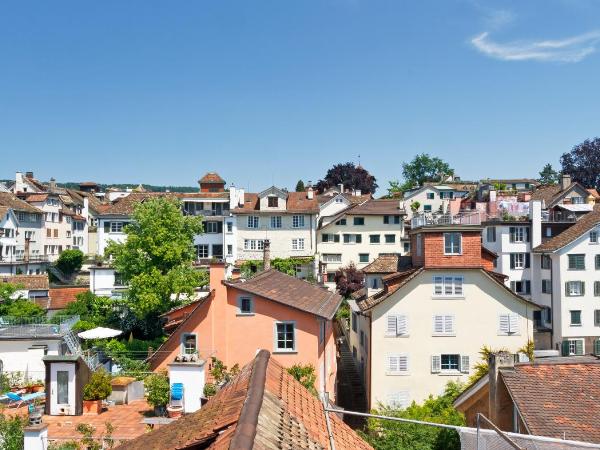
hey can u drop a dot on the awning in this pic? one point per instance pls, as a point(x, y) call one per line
point(99, 333)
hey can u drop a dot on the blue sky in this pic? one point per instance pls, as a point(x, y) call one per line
point(267, 92)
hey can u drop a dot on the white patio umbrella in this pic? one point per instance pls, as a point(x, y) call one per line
point(99, 333)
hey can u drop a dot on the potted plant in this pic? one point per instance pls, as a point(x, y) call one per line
point(157, 392)
point(96, 390)
point(37, 386)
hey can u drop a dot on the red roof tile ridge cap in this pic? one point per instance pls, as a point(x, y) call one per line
point(245, 431)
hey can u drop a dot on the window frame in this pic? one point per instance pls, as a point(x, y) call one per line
point(360, 257)
point(449, 250)
point(574, 324)
point(573, 260)
point(253, 222)
point(276, 222)
point(184, 349)
point(276, 348)
point(240, 304)
point(444, 292)
point(298, 221)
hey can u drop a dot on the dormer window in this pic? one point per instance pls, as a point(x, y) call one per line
point(273, 202)
point(452, 243)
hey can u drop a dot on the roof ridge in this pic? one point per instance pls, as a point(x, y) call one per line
point(245, 430)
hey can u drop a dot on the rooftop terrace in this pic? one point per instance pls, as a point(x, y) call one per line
point(36, 327)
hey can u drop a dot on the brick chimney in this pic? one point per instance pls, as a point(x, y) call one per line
point(500, 403)
point(565, 181)
point(52, 185)
point(266, 254)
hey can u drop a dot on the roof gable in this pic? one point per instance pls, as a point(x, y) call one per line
point(273, 191)
point(571, 234)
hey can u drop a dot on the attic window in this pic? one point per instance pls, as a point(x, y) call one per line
point(273, 202)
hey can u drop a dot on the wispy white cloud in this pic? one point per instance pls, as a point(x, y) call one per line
point(569, 50)
point(498, 18)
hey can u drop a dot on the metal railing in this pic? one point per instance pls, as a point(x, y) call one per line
point(436, 219)
point(558, 216)
point(13, 259)
point(206, 212)
point(20, 327)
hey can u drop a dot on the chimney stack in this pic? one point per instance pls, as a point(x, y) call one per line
point(266, 254)
point(499, 400)
point(29, 175)
point(310, 193)
point(52, 185)
point(565, 181)
point(341, 185)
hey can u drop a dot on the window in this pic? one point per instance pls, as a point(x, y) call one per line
point(596, 288)
point(252, 221)
point(518, 234)
point(56, 232)
point(447, 286)
point(341, 222)
point(398, 400)
point(574, 288)
point(575, 317)
point(597, 317)
point(330, 237)
point(297, 221)
point(390, 238)
point(593, 237)
point(450, 362)
point(430, 196)
point(213, 227)
point(298, 244)
point(374, 238)
point(62, 387)
point(577, 262)
point(452, 243)
point(359, 221)
point(285, 337)
point(419, 240)
point(427, 208)
point(397, 325)
point(253, 244)
point(491, 234)
point(275, 221)
point(546, 262)
point(330, 277)
point(546, 287)
point(397, 364)
point(229, 249)
point(217, 251)
point(573, 347)
point(188, 344)
point(245, 305)
point(577, 200)
point(391, 219)
point(202, 251)
point(332, 257)
point(363, 257)
point(116, 227)
point(521, 286)
point(548, 232)
point(229, 227)
point(406, 247)
point(443, 325)
point(273, 202)
point(519, 260)
point(508, 323)
point(352, 238)
point(596, 259)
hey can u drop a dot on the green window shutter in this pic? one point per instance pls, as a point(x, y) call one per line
point(567, 289)
point(597, 347)
point(565, 348)
point(583, 288)
point(107, 227)
point(579, 347)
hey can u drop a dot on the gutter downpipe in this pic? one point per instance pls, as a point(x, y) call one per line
point(327, 410)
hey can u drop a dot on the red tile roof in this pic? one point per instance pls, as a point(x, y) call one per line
point(263, 407)
point(30, 282)
point(14, 202)
point(36, 197)
point(297, 202)
point(3, 211)
point(211, 177)
point(61, 297)
point(290, 291)
point(557, 400)
point(124, 206)
point(582, 226)
point(377, 207)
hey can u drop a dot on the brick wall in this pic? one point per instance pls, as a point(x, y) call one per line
point(433, 251)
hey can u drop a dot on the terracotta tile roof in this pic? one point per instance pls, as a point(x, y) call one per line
point(124, 206)
point(14, 202)
point(557, 400)
point(400, 278)
point(29, 282)
point(3, 211)
point(546, 193)
point(353, 199)
point(61, 297)
point(290, 291)
point(297, 202)
point(511, 180)
point(582, 226)
point(388, 264)
point(593, 193)
point(211, 177)
point(184, 195)
point(376, 207)
point(263, 407)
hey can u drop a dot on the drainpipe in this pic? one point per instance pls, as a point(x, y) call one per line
point(551, 300)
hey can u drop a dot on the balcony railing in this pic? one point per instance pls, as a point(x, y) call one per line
point(35, 327)
point(20, 259)
point(437, 219)
point(206, 212)
point(559, 216)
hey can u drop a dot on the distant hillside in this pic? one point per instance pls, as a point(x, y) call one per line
point(148, 187)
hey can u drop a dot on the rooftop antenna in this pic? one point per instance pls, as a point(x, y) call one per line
point(359, 159)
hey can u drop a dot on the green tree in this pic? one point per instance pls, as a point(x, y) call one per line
point(12, 304)
point(424, 168)
point(300, 186)
point(548, 175)
point(70, 261)
point(11, 432)
point(305, 375)
point(397, 188)
point(156, 259)
point(392, 435)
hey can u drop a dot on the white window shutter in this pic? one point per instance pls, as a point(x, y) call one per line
point(402, 325)
point(438, 324)
point(514, 323)
point(449, 324)
point(392, 325)
point(464, 364)
point(403, 363)
point(504, 324)
point(436, 364)
point(393, 363)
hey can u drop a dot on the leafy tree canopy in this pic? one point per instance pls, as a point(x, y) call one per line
point(12, 304)
point(156, 259)
point(70, 261)
point(548, 175)
point(349, 279)
point(583, 163)
point(300, 186)
point(305, 375)
point(351, 176)
point(391, 435)
point(424, 168)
